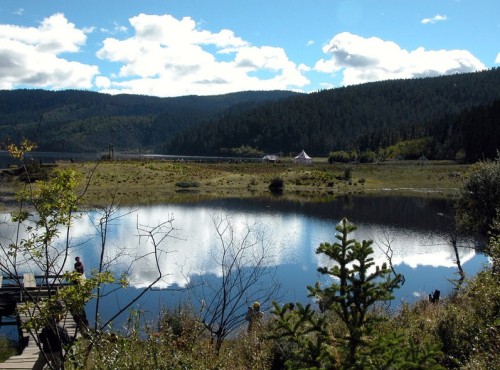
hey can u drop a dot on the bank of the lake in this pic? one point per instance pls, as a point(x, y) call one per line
point(146, 182)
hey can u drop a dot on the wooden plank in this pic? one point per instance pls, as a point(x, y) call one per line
point(31, 353)
point(17, 366)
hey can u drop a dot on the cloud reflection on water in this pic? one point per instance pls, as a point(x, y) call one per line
point(294, 239)
point(293, 232)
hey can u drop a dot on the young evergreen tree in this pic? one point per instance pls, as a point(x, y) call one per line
point(358, 286)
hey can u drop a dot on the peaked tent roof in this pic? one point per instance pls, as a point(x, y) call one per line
point(303, 155)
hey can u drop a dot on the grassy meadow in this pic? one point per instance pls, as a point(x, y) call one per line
point(153, 181)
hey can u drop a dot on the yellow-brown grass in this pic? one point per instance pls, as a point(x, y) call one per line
point(154, 182)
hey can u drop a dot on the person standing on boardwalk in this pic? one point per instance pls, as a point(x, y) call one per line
point(79, 266)
point(53, 338)
point(80, 315)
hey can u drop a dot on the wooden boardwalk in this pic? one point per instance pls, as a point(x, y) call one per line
point(13, 296)
point(31, 352)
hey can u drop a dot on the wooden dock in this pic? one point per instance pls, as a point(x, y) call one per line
point(11, 297)
point(30, 354)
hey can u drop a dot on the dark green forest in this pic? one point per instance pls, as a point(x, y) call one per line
point(445, 117)
point(84, 121)
point(454, 114)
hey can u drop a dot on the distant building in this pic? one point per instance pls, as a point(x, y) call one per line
point(270, 158)
point(303, 158)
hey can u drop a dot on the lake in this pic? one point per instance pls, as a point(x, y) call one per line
point(416, 227)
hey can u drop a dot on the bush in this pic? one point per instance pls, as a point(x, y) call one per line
point(7, 349)
point(176, 341)
point(187, 184)
point(468, 325)
point(478, 204)
point(367, 157)
point(276, 184)
point(342, 157)
point(348, 174)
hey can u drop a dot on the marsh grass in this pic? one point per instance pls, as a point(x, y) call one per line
point(461, 331)
point(177, 340)
point(154, 182)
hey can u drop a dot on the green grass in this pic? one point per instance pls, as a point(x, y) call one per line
point(149, 182)
point(7, 349)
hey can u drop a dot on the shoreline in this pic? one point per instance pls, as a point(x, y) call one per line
point(147, 182)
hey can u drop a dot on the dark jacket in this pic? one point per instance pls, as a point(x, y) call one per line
point(53, 337)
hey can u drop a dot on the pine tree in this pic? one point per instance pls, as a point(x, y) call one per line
point(360, 284)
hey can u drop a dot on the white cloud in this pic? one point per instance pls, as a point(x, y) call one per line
point(29, 56)
point(168, 57)
point(436, 18)
point(117, 28)
point(88, 29)
point(373, 59)
point(497, 60)
point(102, 82)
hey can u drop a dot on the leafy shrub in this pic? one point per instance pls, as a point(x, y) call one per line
point(469, 324)
point(187, 184)
point(342, 157)
point(176, 341)
point(7, 349)
point(410, 149)
point(477, 206)
point(276, 184)
point(367, 157)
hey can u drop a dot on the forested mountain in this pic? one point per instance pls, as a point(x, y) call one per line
point(83, 121)
point(363, 117)
point(476, 132)
point(442, 117)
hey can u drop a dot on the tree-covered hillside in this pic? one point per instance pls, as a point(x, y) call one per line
point(440, 117)
point(88, 121)
point(363, 117)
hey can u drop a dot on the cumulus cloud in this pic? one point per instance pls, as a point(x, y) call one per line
point(166, 56)
point(497, 60)
point(435, 19)
point(362, 60)
point(30, 56)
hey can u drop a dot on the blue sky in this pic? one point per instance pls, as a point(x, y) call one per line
point(207, 47)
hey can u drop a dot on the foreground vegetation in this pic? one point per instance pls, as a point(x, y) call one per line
point(461, 331)
point(150, 182)
point(348, 324)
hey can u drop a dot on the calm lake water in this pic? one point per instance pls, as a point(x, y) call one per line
point(292, 231)
point(417, 228)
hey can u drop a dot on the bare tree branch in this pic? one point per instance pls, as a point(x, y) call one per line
point(246, 275)
point(384, 244)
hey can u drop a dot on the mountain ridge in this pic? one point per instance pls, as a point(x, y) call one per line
point(363, 117)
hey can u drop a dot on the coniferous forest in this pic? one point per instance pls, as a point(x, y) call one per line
point(444, 117)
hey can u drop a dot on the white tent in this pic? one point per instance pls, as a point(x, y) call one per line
point(303, 158)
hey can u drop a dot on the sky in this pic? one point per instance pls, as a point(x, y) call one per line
point(207, 47)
